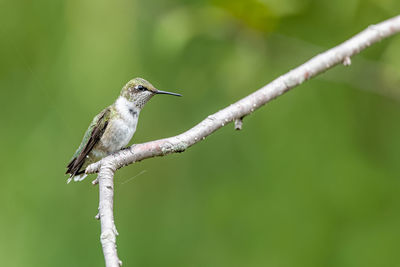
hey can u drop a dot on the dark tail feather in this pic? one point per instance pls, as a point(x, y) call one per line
point(70, 166)
point(74, 168)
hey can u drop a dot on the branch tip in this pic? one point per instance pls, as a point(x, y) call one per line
point(238, 124)
point(347, 61)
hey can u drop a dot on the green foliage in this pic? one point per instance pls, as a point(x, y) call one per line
point(311, 180)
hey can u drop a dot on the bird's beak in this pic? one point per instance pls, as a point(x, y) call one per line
point(159, 92)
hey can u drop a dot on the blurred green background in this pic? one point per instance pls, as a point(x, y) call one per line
point(311, 180)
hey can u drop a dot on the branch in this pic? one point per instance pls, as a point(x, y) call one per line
point(106, 167)
point(106, 215)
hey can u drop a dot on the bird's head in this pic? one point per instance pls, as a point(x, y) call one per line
point(139, 91)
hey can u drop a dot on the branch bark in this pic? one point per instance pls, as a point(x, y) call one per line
point(106, 167)
point(106, 214)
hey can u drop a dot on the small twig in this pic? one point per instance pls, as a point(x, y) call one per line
point(347, 61)
point(238, 124)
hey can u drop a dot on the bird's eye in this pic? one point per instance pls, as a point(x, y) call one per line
point(140, 87)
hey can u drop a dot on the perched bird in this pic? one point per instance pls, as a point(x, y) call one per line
point(112, 128)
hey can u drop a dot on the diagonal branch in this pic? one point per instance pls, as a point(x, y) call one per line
point(106, 167)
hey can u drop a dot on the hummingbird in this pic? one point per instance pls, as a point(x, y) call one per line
point(113, 127)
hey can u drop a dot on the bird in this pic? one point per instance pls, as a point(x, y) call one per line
point(112, 129)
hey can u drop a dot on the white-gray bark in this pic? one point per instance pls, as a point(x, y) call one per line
point(106, 167)
point(106, 214)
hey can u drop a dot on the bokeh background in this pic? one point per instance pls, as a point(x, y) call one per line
point(312, 179)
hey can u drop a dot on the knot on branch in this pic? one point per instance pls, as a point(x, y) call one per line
point(239, 124)
point(105, 163)
point(347, 61)
point(108, 236)
point(167, 147)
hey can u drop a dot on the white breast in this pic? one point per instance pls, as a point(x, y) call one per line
point(121, 130)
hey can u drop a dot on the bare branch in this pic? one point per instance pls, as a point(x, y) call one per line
point(106, 167)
